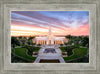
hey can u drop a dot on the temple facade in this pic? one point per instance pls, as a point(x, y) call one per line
point(50, 39)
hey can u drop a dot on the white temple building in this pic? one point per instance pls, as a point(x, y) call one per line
point(50, 39)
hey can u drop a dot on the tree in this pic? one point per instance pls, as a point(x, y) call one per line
point(66, 43)
point(76, 42)
point(70, 39)
point(80, 37)
point(33, 43)
point(30, 49)
point(30, 40)
point(70, 42)
point(14, 42)
point(85, 41)
point(68, 36)
point(20, 37)
point(61, 44)
point(38, 44)
point(23, 41)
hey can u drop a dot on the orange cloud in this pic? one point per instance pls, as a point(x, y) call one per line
point(22, 30)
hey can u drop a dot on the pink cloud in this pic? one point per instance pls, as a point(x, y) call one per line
point(83, 30)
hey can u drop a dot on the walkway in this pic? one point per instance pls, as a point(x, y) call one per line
point(50, 56)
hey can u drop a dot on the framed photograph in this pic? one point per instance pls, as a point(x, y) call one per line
point(50, 37)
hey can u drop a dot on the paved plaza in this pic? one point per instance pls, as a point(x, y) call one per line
point(49, 56)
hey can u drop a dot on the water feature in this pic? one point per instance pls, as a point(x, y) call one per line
point(49, 50)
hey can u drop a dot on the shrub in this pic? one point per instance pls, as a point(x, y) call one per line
point(63, 49)
point(69, 50)
point(33, 43)
point(32, 49)
point(38, 44)
point(85, 41)
point(77, 54)
point(66, 43)
point(61, 44)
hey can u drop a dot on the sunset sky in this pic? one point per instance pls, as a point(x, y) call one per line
point(30, 23)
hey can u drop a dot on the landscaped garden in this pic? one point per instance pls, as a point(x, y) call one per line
point(22, 50)
point(22, 54)
point(76, 48)
point(77, 53)
point(74, 54)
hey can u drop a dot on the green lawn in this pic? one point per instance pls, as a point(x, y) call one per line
point(22, 52)
point(78, 52)
point(67, 49)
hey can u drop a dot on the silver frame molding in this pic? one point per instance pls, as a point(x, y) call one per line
point(54, 5)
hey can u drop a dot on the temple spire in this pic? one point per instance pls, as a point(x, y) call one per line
point(49, 34)
point(49, 28)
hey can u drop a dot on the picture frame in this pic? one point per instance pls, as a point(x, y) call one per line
point(21, 68)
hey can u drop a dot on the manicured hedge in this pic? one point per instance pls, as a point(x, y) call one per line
point(68, 49)
point(78, 52)
point(32, 49)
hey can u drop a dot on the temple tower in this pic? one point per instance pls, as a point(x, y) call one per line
point(50, 41)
